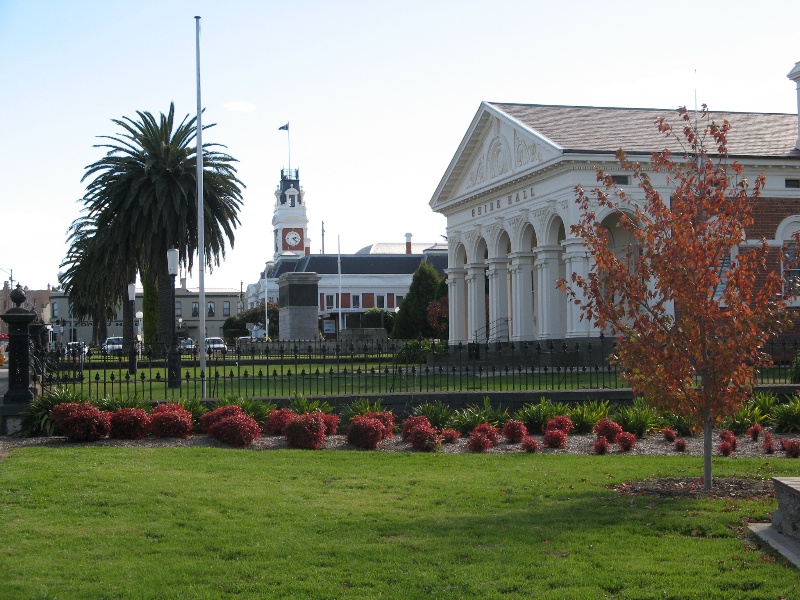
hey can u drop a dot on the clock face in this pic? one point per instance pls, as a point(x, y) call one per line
point(292, 239)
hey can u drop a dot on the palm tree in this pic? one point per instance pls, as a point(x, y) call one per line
point(144, 191)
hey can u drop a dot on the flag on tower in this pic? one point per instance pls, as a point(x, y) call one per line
point(284, 127)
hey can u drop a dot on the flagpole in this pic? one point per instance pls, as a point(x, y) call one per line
point(339, 263)
point(289, 144)
point(200, 222)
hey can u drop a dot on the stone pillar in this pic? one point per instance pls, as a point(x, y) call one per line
point(298, 297)
point(457, 305)
point(549, 314)
point(523, 320)
point(476, 302)
point(498, 299)
point(576, 257)
point(19, 377)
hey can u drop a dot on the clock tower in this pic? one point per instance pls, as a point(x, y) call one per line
point(289, 220)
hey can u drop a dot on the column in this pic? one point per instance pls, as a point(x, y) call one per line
point(523, 321)
point(457, 305)
point(549, 311)
point(476, 302)
point(498, 299)
point(576, 257)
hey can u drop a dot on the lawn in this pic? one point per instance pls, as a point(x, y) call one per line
point(109, 522)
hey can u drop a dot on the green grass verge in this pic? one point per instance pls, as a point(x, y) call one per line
point(103, 522)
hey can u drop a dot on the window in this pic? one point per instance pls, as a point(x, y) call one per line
point(211, 309)
point(725, 264)
point(226, 309)
point(355, 300)
point(792, 183)
point(621, 179)
point(239, 307)
point(791, 269)
point(380, 301)
point(398, 300)
point(178, 309)
point(195, 309)
point(329, 305)
point(55, 310)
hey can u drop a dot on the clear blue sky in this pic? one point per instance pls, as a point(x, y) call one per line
point(378, 94)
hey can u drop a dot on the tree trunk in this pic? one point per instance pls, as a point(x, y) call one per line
point(166, 310)
point(708, 430)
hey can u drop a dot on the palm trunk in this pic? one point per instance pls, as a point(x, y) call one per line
point(166, 310)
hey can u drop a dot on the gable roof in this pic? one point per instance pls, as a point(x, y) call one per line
point(360, 264)
point(599, 129)
point(562, 130)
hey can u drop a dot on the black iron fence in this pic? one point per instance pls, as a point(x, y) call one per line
point(320, 368)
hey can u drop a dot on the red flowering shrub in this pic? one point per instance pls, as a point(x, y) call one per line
point(237, 430)
point(278, 420)
point(331, 423)
point(769, 443)
point(725, 448)
point(61, 412)
point(170, 421)
point(490, 431)
point(306, 431)
point(626, 441)
point(514, 431)
point(81, 422)
point(791, 448)
point(529, 444)
point(424, 437)
point(754, 432)
point(129, 424)
point(669, 434)
point(222, 412)
point(555, 438)
point(386, 417)
point(366, 432)
point(450, 436)
point(600, 445)
point(608, 429)
point(410, 423)
point(561, 422)
point(680, 445)
point(479, 442)
point(727, 435)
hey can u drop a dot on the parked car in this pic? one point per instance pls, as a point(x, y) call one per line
point(216, 344)
point(243, 343)
point(187, 345)
point(112, 345)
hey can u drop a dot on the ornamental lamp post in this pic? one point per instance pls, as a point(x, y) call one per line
point(132, 349)
point(139, 317)
point(173, 358)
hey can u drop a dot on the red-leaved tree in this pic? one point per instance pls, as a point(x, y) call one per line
point(690, 301)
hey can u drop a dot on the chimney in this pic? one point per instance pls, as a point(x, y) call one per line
point(308, 247)
point(794, 75)
point(408, 235)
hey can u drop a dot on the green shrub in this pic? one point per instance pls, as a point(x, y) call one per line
point(766, 403)
point(794, 370)
point(683, 426)
point(359, 407)
point(586, 415)
point(413, 352)
point(467, 419)
point(787, 416)
point(118, 402)
point(302, 405)
point(195, 408)
point(744, 418)
point(438, 413)
point(638, 418)
point(536, 416)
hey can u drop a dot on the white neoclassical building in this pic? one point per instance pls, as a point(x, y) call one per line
point(509, 199)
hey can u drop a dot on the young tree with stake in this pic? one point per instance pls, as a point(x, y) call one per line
point(691, 301)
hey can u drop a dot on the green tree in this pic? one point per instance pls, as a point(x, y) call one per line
point(375, 318)
point(236, 326)
point(412, 319)
point(143, 192)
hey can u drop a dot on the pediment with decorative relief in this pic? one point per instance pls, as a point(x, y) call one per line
point(503, 152)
